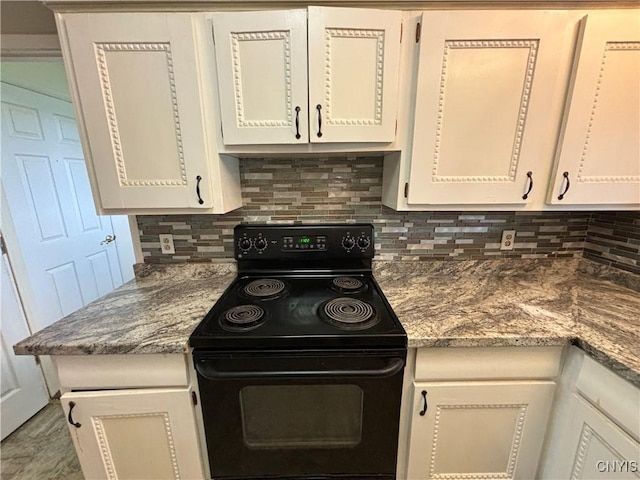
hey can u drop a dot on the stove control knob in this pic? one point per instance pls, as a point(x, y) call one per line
point(348, 243)
point(260, 243)
point(244, 244)
point(364, 242)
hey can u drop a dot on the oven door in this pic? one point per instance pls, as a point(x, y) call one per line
point(302, 414)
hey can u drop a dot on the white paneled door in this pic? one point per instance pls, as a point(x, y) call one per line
point(57, 244)
point(23, 389)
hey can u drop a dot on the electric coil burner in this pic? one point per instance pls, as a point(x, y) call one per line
point(349, 314)
point(242, 318)
point(264, 288)
point(348, 285)
point(300, 361)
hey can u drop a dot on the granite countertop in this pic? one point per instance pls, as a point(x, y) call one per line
point(519, 303)
point(455, 304)
point(154, 313)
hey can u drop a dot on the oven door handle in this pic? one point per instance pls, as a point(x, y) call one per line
point(207, 370)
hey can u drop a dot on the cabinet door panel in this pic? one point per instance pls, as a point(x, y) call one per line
point(600, 145)
point(478, 429)
point(486, 81)
point(137, 81)
point(262, 72)
point(135, 434)
point(353, 74)
point(602, 450)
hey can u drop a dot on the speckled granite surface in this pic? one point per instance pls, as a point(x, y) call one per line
point(155, 313)
point(457, 304)
point(519, 303)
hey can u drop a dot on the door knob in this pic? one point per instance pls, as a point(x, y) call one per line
point(108, 239)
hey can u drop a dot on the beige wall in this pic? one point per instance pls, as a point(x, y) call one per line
point(26, 17)
point(42, 76)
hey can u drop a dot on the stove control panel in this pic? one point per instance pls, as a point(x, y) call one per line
point(313, 241)
point(304, 242)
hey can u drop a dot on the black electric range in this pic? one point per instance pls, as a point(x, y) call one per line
point(300, 361)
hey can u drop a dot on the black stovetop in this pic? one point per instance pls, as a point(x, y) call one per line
point(305, 259)
point(296, 318)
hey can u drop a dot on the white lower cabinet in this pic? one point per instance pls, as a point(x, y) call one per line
point(478, 429)
point(476, 412)
point(595, 427)
point(134, 434)
point(597, 448)
point(132, 417)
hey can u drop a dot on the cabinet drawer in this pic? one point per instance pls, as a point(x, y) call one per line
point(121, 371)
point(481, 363)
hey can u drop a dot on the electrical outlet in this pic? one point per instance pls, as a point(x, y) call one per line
point(166, 243)
point(508, 239)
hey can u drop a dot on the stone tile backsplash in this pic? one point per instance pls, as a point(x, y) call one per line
point(348, 189)
point(613, 238)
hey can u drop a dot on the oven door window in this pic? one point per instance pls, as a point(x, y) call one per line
point(301, 416)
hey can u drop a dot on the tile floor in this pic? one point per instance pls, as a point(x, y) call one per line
point(41, 449)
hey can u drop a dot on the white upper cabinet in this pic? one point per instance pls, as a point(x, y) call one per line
point(486, 83)
point(599, 150)
point(299, 76)
point(353, 74)
point(262, 75)
point(137, 88)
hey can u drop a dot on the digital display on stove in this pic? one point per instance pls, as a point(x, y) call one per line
point(304, 242)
